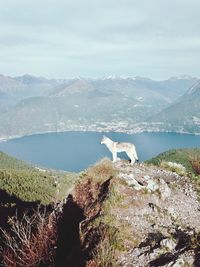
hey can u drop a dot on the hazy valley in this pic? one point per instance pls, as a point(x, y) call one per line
point(30, 105)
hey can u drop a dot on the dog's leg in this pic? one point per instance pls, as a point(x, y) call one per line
point(131, 156)
point(114, 156)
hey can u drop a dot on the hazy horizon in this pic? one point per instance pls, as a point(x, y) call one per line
point(154, 39)
point(181, 76)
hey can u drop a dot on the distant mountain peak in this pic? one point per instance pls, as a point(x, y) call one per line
point(76, 87)
point(195, 88)
point(182, 77)
point(124, 77)
point(30, 79)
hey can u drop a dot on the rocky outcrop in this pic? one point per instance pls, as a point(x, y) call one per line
point(163, 211)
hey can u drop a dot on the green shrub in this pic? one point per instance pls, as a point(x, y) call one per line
point(11, 163)
point(174, 167)
point(28, 183)
point(180, 156)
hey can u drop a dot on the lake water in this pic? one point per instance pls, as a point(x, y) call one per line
point(75, 151)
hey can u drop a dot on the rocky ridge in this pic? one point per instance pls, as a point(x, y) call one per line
point(163, 211)
point(116, 215)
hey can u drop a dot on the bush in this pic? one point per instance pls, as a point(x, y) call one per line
point(30, 240)
point(180, 156)
point(174, 167)
point(195, 162)
point(36, 186)
point(28, 186)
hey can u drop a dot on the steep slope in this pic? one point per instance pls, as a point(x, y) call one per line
point(175, 87)
point(182, 116)
point(139, 86)
point(11, 163)
point(22, 182)
point(148, 217)
point(116, 215)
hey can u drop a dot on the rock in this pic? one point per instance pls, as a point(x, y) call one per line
point(152, 185)
point(135, 184)
point(154, 254)
point(179, 263)
point(160, 219)
point(172, 212)
point(146, 177)
point(132, 181)
point(168, 244)
point(164, 190)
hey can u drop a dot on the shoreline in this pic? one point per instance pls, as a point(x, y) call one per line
point(14, 137)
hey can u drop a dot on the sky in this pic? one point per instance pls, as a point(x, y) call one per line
point(94, 38)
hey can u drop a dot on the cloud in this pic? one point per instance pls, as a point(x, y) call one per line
point(100, 37)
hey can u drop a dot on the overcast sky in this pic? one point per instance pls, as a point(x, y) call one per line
point(65, 38)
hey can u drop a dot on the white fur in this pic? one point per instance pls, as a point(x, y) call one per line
point(115, 147)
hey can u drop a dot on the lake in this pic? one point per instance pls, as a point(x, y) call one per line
point(75, 151)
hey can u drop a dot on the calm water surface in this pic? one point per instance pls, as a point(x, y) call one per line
point(75, 151)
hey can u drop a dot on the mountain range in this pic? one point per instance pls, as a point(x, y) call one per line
point(183, 115)
point(30, 105)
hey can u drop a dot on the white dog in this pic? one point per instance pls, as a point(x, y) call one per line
point(115, 147)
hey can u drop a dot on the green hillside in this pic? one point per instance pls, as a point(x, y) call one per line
point(8, 162)
point(27, 183)
point(182, 156)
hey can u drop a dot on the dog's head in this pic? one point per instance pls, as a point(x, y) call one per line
point(103, 141)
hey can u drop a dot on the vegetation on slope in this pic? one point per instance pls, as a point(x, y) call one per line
point(106, 222)
point(82, 234)
point(7, 162)
point(27, 183)
point(181, 156)
point(189, 158)
point(102, 234)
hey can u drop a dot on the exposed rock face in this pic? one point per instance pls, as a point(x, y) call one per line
point(168, 244)
point(163, 211)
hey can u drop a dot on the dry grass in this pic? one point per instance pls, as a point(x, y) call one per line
point(98, 195)
point(30, 241)
point(101, 171)
point(104, 255)
point(173, 167)
point(88, 192)
point(195, 162)
point(116, 232)
point(113, 200)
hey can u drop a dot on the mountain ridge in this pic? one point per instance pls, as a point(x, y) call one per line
point(85, 104)
point(114, 214)
point(184, 115)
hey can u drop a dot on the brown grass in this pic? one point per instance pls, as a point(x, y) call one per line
point(101, 171)
point(30, 241)
point(195, 162)
point(89, 191)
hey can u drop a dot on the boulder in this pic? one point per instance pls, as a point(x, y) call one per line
point(168, 244)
